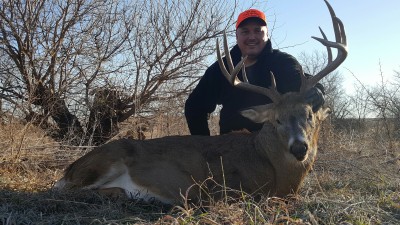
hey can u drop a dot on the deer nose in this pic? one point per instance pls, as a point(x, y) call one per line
point(299, 150)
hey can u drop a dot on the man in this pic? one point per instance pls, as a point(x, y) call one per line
point(213, 88)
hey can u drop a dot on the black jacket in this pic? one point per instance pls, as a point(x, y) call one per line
point(213, 89)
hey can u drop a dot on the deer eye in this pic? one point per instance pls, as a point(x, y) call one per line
point(278, 122)
point(310, 117)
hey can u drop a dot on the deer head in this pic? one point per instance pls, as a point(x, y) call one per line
point(291, 113)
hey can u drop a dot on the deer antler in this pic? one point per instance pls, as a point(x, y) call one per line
point(340, 45)
point(271, 93)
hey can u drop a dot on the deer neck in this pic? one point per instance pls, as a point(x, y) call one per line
point(288, 172)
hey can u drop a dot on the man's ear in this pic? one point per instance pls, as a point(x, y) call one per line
point(257, 114)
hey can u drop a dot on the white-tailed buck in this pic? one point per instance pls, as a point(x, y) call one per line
point(271, 162)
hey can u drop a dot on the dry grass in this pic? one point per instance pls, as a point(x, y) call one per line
point(356, 180)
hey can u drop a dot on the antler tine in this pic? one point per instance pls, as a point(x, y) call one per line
point(231, 76)
point(340, 45)
point(328, 49)
point(227, 54)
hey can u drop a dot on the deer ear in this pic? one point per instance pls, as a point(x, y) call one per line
point(257, 114)
point(324, 113)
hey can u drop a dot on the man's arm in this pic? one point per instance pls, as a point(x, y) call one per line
point(202, 101)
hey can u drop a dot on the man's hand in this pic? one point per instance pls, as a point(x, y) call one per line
point(316, 98)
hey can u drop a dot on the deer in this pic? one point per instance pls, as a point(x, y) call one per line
point(273, 161)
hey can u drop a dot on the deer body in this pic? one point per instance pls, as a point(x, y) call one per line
point(165, 168)
point(271, 162)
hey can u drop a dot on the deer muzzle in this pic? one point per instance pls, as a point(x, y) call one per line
point(299, 150)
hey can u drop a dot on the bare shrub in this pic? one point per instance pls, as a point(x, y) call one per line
point(380, 101)
point(86, 66)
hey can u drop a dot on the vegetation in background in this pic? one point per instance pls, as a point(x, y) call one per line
point(80, 68)
point(75, 74)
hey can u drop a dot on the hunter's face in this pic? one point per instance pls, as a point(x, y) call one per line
point(251, 37)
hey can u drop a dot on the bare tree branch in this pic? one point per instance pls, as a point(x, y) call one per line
point(70, 60)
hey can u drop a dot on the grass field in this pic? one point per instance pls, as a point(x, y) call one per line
point(355, 180)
